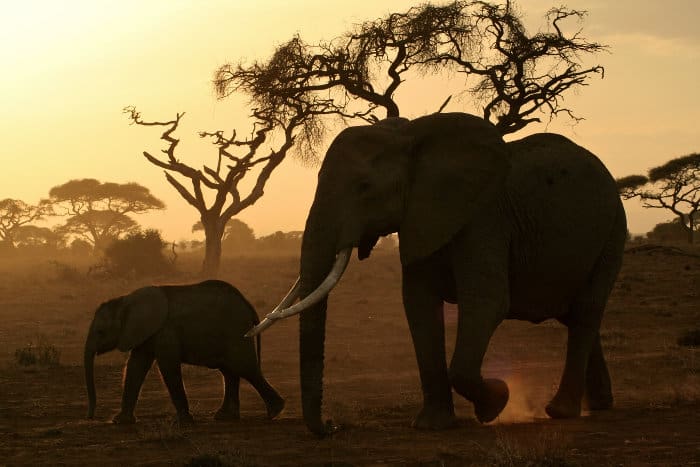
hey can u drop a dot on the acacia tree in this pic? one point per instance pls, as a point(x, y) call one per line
point(237, 157)
point(99, 212)
point(517, 75)
point(15, 214)
point(674, 185)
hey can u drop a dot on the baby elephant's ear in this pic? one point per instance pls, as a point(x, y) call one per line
point(144, 313)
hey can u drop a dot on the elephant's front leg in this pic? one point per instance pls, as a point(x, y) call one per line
point(424, 312)
point(171, 372)
point(140, 361)
point(482, 291)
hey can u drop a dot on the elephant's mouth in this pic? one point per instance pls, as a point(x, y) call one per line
point(364, 248)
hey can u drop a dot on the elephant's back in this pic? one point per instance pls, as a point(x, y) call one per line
point(566, 211)
point(211, 304)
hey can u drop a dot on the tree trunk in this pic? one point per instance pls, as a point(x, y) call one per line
point(213, 232)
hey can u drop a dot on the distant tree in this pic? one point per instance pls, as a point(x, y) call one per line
point(29, 236)
point(674, 185)
point(99, 212)
point(280, 242)
point(15, 214)
point(516, 75)
point(139, 253)
point(671, 231)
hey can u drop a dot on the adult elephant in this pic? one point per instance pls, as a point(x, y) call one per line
point(530, 230)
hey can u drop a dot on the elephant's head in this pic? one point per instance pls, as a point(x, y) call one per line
point(122, 323)
point(424, 179)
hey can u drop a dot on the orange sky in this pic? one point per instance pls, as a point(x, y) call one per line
point(70, 67)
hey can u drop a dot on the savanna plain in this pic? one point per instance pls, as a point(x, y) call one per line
point(372, 387)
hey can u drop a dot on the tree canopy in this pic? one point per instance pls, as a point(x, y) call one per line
point(99, 212)
point(514, 75)
point(16, 214)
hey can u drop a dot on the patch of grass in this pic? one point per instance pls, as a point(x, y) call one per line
point(227, 458)
point(162, 431)
point(41, 353)
point(690, 338)
point(546, 449)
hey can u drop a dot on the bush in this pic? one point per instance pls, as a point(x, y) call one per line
point(138, 254)
point(42, 353)
point(690, 339)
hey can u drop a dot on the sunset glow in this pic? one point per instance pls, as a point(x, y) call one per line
point(70, 67)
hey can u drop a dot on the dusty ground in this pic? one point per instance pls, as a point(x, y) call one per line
point(371, 382)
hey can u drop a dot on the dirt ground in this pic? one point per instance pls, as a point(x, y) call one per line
point(371, 379)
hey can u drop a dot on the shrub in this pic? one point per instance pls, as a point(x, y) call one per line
point(42, 354)
point(139, 253)
point(690, 338)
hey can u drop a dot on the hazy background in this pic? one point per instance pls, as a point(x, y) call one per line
point(68, 68)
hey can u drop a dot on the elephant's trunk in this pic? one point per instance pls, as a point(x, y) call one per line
point(317, 257)
point(89, 365)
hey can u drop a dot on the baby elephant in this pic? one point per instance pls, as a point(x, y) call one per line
point(200, 324)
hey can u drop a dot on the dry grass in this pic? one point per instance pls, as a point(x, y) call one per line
point(371, 381)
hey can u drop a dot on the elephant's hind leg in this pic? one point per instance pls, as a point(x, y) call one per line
point(598, 386)
point(230, 407)
point(567, 401)
point(273, 401)
point(585, 366)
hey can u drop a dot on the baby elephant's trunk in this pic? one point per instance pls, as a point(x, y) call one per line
point(89, 364)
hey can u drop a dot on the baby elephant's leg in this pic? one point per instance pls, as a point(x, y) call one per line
point(230, 407)
point(273, 401)
point(172, 376)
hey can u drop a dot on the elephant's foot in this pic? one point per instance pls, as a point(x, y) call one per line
point(124, 419)
point(489, 397)
point(274, 407)
point(227, 414)
point(563, 407)
point(492, 400)
point(183, 419)
point(434, 419)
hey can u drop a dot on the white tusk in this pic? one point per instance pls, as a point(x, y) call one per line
point(286, 301)
point(289, 298)
point(341, 262)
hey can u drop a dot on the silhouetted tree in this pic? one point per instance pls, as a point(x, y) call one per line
point(280, 242)
point(99, 212)
point(674, 185)
point(15, 214)
point(671, 231)
point(517, 74)
point(236, 158)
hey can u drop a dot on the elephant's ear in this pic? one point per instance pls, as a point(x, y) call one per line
point(460, 163)
point(144, 313)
